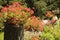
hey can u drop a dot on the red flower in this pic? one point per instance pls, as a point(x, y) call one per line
point(27, 9)
point(16, 4)
point(11, 8)
point(4, 9)
point(33, 17)
point(19, 8)
point(31, 12)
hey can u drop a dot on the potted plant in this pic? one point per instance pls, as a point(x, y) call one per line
point(14, 17)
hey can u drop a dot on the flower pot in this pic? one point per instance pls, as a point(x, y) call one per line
point(13, 32)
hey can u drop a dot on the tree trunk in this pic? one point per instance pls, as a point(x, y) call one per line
point(13, 32)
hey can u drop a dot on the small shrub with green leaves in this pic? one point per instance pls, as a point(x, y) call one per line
point(50, 33)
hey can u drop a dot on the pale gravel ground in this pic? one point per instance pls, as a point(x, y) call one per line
point(28, 35)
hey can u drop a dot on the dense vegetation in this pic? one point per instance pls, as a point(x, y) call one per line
point(30, 15)
point(41, 6)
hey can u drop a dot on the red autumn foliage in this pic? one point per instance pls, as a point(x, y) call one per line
point(11, 8)
point(16, 4)
point(4, 9)
point(31, 12)
point(35, 23)
point(17, 11)
point(27, 9)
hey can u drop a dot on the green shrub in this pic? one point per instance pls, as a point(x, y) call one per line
point(47, 36)
point(5, 2)
point(51, 33)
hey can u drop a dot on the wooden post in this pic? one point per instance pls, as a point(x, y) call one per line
point(13, 32)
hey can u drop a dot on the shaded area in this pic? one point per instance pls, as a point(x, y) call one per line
point(13, 32)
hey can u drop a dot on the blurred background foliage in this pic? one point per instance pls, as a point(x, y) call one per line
point(41, 6)
point(6, 2)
